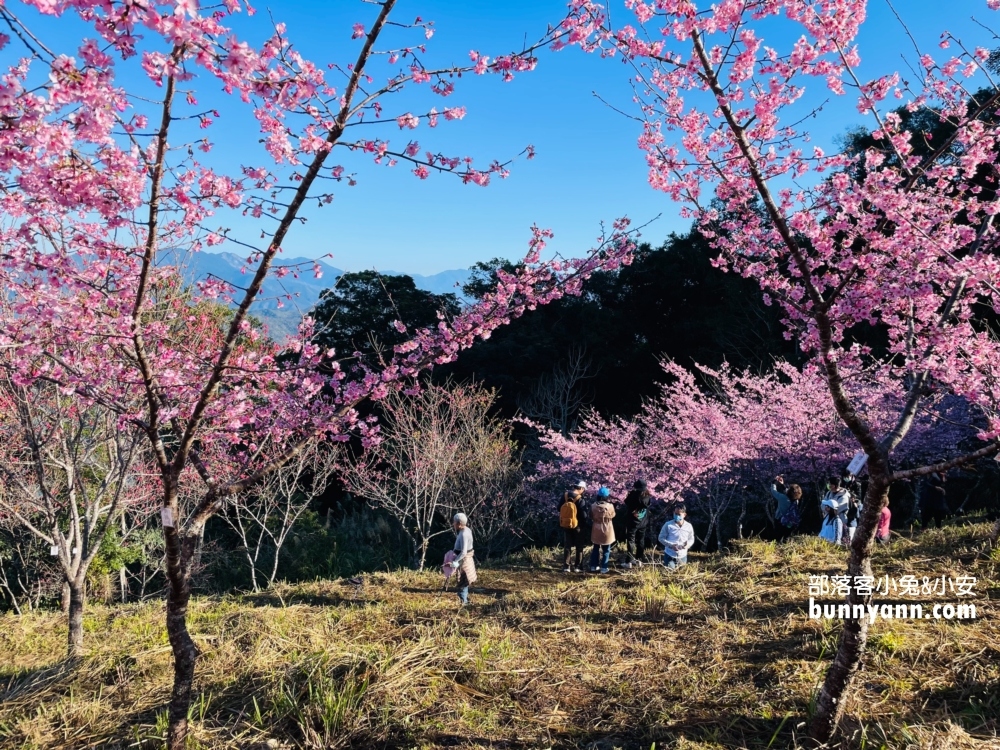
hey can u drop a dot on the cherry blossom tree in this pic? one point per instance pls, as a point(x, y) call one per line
point(264, 516)
point(440, 452)
point(104, 182)
point(899, 237)
point(712, 432)
point(69, 476)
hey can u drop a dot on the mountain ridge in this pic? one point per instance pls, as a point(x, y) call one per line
point(288, 297)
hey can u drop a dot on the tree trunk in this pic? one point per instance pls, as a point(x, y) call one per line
point(123, 584)
point(185, 656)
point(274, 568)
point(854, 635)
point(181, 551)
point(423, 554)
point(77, 601)
point(253, 570)
point(64, 600)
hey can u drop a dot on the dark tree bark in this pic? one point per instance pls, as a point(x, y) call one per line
point(181, 550)
point(77, 601)
point(854, 635)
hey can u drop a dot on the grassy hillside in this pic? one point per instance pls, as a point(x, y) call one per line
point(719, 655)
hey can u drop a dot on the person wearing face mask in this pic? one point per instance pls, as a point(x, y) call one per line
point(677, 537)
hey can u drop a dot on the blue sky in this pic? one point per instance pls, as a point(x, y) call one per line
point(587, 167)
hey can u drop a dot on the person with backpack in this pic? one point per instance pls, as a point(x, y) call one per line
point(677, 537)
point(850, 484)
point(602, 533)
point(789, 513)
point(573, 522)
point(636, 521)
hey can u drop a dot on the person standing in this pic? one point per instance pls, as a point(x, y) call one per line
point(463, 561)
point(677, 537)
point(882, 533)
point(854, 508)
point(934, 502)
point(850, 484)
point(573, 515)
point(636, 521)
point(836, 501)
point(789, 513)
point(602, 533)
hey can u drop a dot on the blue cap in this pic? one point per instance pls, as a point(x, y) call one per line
point(603, 492)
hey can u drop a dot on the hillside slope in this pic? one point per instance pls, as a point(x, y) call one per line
point(719, 655)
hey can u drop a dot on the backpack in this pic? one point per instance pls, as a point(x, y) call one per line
point(567, 515)
point(852, 511)
point(791, 518)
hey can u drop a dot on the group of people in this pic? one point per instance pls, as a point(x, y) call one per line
point(583, 523)
point(842, 505)
point(841, 508)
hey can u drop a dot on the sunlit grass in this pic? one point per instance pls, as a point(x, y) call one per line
point(720, 654)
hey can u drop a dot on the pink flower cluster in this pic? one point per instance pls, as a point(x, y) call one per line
point(744, 428)
point(901, 236)
point(108, 193)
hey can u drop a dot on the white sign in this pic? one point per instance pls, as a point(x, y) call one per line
point(54, 550)
point(167, 516)
point(858, 462)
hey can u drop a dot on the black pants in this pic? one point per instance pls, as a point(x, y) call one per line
point(573, 539)
point(932, 515)
point(635, 543)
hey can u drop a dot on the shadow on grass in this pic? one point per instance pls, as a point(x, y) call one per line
point(974, 705)
point(333, 599)
point(473, 591)
point(20, 684)
point(736, 731)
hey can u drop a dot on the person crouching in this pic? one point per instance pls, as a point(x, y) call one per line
point(677, 537)
point(463, 561)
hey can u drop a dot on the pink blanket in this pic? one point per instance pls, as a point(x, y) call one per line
point(446, 568)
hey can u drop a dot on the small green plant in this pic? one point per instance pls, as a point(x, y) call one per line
point(676, 592)
point(890, 642)
point(162, 722)
point(256, 715)
point(654, 606)
point(322, 701)
point(198, 709)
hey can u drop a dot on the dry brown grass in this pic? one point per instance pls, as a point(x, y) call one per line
point(718, 655)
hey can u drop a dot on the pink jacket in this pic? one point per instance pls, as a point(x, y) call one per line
point(884, 516)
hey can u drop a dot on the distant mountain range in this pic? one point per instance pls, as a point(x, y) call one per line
point(299, 284)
